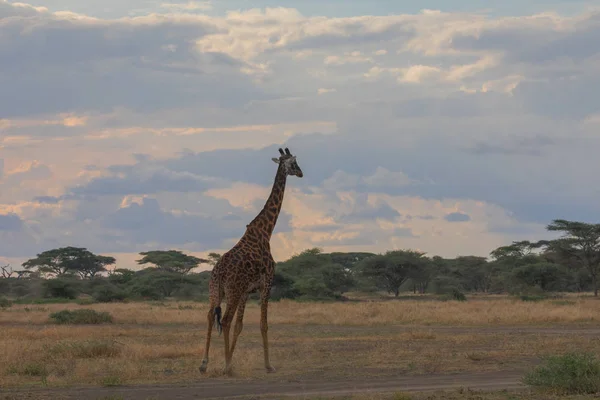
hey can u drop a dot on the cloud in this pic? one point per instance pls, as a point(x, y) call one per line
point(10, 222)
point(144, 178)
point(82, 63)
point(457, 217)
point(158, 129)
point(147, 223)
point(190, 6)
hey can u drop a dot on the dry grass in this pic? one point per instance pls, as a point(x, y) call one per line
point(163, 342)
point(456, 395)
point(477, 312)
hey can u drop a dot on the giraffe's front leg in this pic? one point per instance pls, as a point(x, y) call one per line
point(264, 326)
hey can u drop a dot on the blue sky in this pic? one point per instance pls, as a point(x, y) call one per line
point(146, 124)
point(332, 8)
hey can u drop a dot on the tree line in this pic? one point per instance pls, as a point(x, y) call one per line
point(570, 263)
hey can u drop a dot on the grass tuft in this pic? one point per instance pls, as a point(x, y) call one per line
point(80, 317)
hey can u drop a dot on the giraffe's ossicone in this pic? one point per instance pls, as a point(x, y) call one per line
point(246, 267)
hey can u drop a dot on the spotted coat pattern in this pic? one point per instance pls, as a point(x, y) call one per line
point(247, 267)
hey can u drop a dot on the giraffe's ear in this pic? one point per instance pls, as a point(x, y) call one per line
point(275, 160)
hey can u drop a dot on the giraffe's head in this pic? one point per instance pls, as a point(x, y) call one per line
point(288, 163)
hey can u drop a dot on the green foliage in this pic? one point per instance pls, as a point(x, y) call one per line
point(311, 274)
point(389, 271)
point(548, 276)
point(458, 295)
point(109, 293)
point(80, 317)
point(66, 288)
point(529, 271)
point(572, 373)
point(156, 284)
point(121, 276)
point(5, 303)
point(579, 247)
point(171, 260)
point(69, 260)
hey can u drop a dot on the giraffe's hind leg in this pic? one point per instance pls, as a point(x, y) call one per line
point(232, 304)
point(211, 321)
point(239, 322)
point(214, 304)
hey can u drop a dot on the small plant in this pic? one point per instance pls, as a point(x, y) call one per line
point(5, 303)
point(81, 317)
point(529, 297)
point(86, 301)
point(111, 380)
point(572, 373)
point(86, 349)
point(458, 295)
point(34, 369)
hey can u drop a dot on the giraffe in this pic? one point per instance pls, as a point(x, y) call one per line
point(247, 267)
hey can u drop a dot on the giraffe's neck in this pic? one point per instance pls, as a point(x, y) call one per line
point(267, 217)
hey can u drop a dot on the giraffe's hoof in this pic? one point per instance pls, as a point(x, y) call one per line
point(270, 369)
point(228, 371)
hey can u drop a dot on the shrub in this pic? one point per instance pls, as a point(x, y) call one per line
point(61, 288)
point(572, 373)
point(458, 295)
point(80, 317)
point(5, 303)
point(109, 293)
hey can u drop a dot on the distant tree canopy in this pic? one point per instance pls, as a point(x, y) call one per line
point(69, 260)
point(569, 263)
point(172, 260)
point(578, 247)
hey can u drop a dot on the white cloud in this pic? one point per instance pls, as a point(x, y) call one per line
point(189, 6)
point(438, 116)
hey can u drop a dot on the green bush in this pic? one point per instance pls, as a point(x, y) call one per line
point(458, 295)
point(80, 317)
point(572, 373)
point(61, 288)
point(5, 303)
point(109, 293)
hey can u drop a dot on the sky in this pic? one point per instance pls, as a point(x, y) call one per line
point(440, 126)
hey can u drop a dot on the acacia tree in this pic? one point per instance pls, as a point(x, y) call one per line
point(171, 260)
point(213, 258)
point(69, 260)
point(578, 246)
point(389, 271)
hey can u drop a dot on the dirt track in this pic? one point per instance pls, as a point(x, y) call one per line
point(225, 389)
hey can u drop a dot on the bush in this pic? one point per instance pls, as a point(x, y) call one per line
point(5, 303)
point(109, 293)
point(60, 288)
point(80, 317)
point(458, 295)
point(572, 373)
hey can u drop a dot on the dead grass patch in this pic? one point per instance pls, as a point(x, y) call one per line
point(163, 343)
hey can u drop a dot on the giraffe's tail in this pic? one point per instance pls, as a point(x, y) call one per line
point(218, 319)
